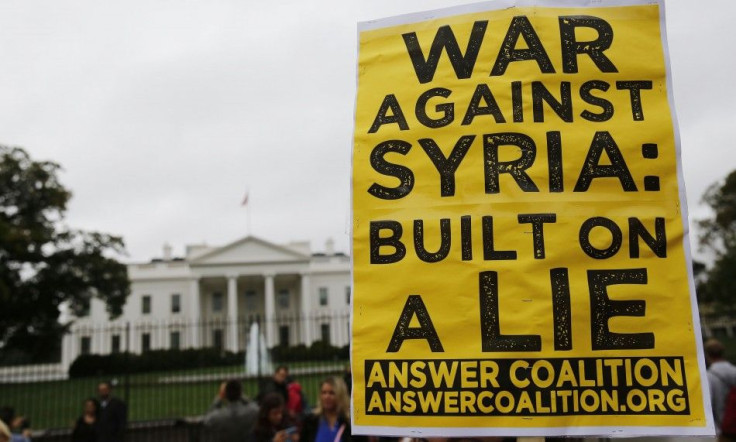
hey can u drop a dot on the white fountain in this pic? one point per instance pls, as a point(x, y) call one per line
point(257, 353)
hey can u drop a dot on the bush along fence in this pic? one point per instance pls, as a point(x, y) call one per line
point(170, 369)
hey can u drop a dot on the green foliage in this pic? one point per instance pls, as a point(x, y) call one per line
point(717, 283)
point(151, 361)
point(719, 233)
point(318, 351)
point(43, 264)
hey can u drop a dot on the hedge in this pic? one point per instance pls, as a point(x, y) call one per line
point(163, 360)
point(154, 360)
point(318, 351)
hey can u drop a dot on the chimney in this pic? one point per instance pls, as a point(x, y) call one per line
point(167, 252)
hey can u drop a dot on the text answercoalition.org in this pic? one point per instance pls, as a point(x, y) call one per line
point(526, 387)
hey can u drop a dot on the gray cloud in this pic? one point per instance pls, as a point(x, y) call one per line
point(163, 113)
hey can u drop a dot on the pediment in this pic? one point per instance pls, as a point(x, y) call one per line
point(250, 250)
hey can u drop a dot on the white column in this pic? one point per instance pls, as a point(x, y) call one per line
point(270, 317)
point(232, 312)
point(67, 351)
point(195, 318)
point(306, 311)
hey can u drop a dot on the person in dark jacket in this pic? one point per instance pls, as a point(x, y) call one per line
point(274, 424)
point(85, 429)
point(330, 421)
point(112, 417)
point(276, 384)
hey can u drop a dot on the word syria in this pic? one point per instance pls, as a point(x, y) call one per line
point(592, 167)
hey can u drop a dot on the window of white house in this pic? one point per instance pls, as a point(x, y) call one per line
point(250, 300)
point(217, 302)
point(85, 345)
point(323, 296)
point(146, 304)
point(176, 303)
point(174, 339)
point(284, 335)
point(325, 333)
point(217, 341)
point(115, 344)
point(283, 298)
point(347, 295)
point(146, 342)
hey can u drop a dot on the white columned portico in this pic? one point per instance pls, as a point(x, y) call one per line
point(306, 317)
point(194, 312)
point(269, 319)
point(232, 312)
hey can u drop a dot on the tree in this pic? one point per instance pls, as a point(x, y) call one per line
point(44, 264)
point(718, 235)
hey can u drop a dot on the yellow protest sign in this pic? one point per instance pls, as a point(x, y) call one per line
point(520, 250)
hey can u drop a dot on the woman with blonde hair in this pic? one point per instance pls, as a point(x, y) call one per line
point(4, 432)
point(330, 421)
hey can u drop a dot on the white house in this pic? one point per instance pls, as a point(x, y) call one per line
point(211, 296)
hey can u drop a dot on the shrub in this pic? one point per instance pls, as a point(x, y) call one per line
point(318, 351)
point(283, 353)
point(155, 360)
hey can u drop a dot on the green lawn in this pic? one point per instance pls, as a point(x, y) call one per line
point(57, 404)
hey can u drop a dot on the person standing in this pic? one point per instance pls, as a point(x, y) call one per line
point(273, 423)
point(112, 417)
point(276, 384)
point(85, 429)
point(721, 377)
point(296, 406)
point(232, 417)
point(330, 421)
point(4, 432)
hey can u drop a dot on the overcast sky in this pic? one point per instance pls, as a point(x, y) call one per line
point(163, 113)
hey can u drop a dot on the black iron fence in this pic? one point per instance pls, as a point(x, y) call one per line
point(171, 370)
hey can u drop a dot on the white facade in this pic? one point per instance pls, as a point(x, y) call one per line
point(210, 296)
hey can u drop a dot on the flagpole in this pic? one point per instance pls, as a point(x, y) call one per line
point(248, 215)
point(246, 203)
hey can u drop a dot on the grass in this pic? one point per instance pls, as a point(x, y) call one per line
point(57, 404)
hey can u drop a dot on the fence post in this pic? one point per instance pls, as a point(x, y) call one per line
point(126, 368)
